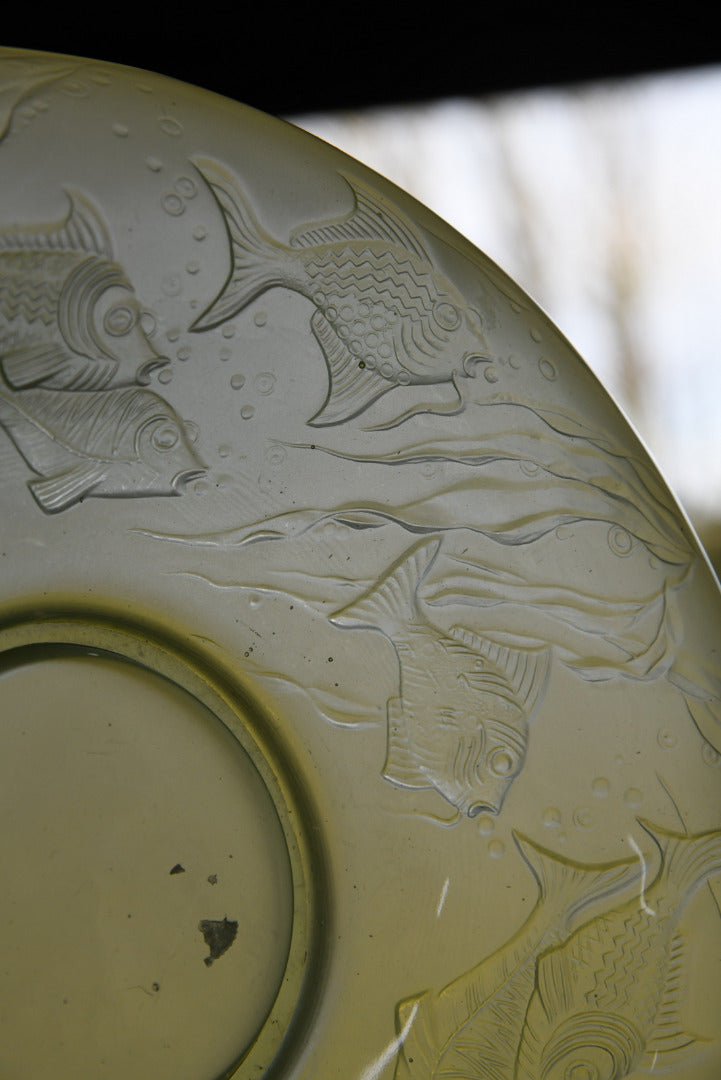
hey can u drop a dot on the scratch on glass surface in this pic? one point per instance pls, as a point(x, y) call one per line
point(442, 898)
point(637, 849)
point(386, 1056)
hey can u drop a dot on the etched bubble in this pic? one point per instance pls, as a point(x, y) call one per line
point(490, 375)
point(667, 739)
point(225, 353)
point(148, 323)
point(633, 798)
point(485, 824)
point(496, 849)
point(224, 450)
point(74, 88)
point(236, 381)
point(172, 285)
point(200, 232)
point(710, 755)
point(403, 378)
point(170, 126)
point(121, 130)
point(247, 412)
point(165, 376)
point(264, 382)
point(183, 352)
point(535, 333)
point(514, 362)
point(192, 267)
point(172, 204)
point(173, 334)
point(191, 430)
point(582, 818)
point(260, 318)
point(228, 330)
point(619, 541)
point(186, 186)
point(154, 164)
point(547, 369)
point(551, 817)
point(276, 456)
point(600, 787)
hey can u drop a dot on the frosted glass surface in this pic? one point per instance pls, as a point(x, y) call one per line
point(380, 594)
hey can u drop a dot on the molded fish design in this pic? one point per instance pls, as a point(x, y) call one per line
point(69, 318)
point(105, 442)
point(384, 315)
point(472, 1027)
point(606, 1001)
point(460, 724)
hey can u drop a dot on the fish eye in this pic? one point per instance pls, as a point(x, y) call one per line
point(119, 320)
point(502, 762)
point(446, 315)
point(165, 437)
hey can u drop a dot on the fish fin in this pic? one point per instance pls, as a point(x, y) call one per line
point(393, 599)
point(33, 362)
point(83, 229)
point(255, 256)
point(401, 764)
point(686, 861)
point(372, 219)
point(575, 887)
point(436, 407)
point(352, 387)
point(673, 1054)
point(670, 1045)
point(62, 490)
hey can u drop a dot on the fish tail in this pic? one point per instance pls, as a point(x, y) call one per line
point(574, 887)
point(687, 861)
point(393, 600)
point(257, 259)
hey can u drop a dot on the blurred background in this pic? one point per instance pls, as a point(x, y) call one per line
point(578, 147)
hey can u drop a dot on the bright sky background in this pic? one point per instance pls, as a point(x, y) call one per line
point(603, 203)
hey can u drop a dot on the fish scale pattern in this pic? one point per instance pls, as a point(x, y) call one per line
point(360, 273)
point(31, 298)
point(631, 947)
point(489, 1042)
